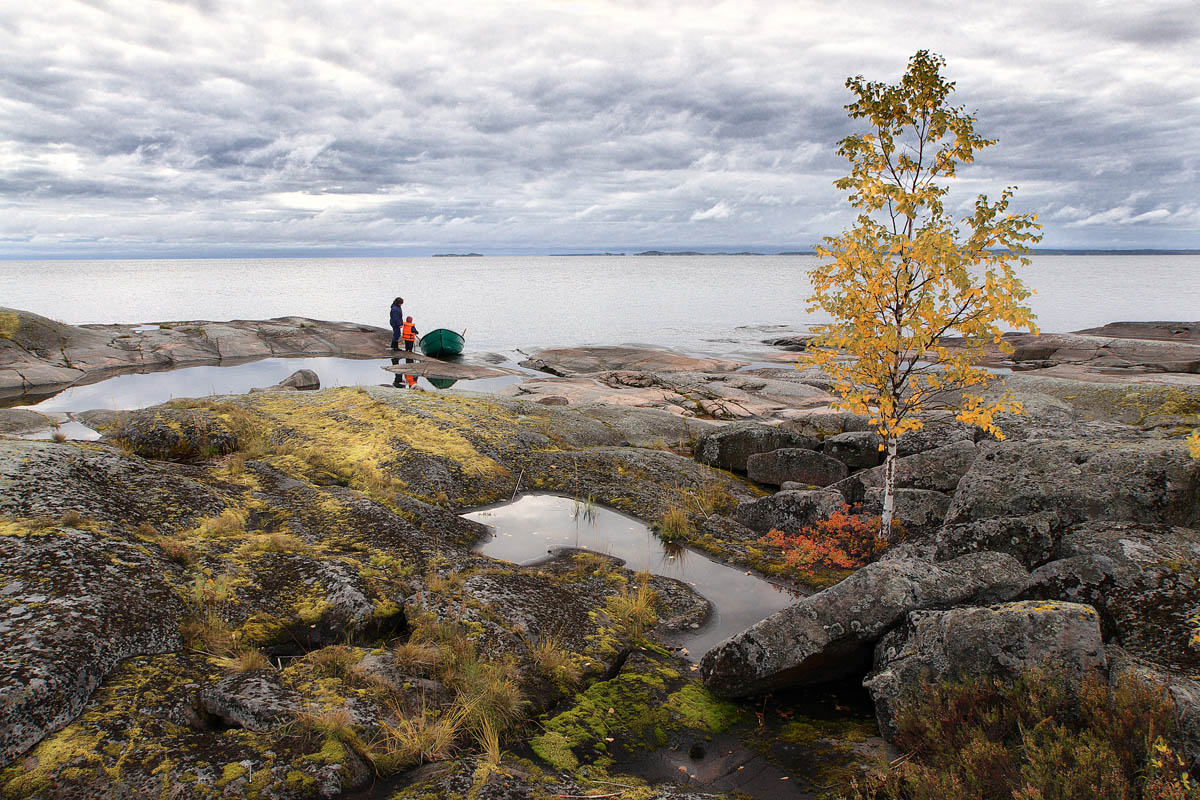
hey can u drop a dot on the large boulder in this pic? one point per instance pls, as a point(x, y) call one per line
point(300, 380)
point(824, 424)
point(303, 379)
point(1143, 579)
point(855, 449)
point(917, 510)
point(999, 641)
point(789, 510)
point(1043, 416)
point(937, 470)
point(730, 446)
point(830, 634)
point(795, 464)
point(936, 433)
point(1149, 481)
point(1031, 539)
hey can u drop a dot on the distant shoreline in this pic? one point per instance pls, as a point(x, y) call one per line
point(333, 255)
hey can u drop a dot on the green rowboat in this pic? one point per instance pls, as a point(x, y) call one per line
point(441, 343)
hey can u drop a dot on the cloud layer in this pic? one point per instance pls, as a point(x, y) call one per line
point(209, 127)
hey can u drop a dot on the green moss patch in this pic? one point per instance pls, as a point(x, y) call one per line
point(647, 705)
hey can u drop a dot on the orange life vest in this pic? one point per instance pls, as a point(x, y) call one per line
point(408, 332)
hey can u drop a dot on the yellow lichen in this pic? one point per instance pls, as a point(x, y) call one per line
point(10, 323)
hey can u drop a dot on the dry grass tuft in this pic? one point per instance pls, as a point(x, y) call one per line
point(417, 657)
point(487, 737)
point(246, 660)
point(554, 661)
point(411, 740)
point(674, 525)
point(71, 519)
point(229, 522)
point(179, 552)
point(205, 629)
point(235, 464)
point(633, 609)
point(334, 661)
point(275, 543)
point(714, 497)
point(332, 723)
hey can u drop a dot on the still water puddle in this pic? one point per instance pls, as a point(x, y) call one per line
point(525, 529)
point(139, 390)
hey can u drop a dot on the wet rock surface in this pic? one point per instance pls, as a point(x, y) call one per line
point(38, 353)
point(20, 420)
point(830, 634)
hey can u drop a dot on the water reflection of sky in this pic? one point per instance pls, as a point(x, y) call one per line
point(138, 390)
point(525, 529)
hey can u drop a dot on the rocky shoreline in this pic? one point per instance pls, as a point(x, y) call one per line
point(273, 595)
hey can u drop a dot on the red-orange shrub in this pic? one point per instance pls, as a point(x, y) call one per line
point(843, 541)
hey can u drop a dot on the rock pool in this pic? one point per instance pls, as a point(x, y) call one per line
point(525, 529)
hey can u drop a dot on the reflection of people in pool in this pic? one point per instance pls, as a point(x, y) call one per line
point(404, 379)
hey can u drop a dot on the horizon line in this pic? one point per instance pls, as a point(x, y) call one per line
point(565, 253)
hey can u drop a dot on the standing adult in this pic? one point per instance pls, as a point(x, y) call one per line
point(397, 320)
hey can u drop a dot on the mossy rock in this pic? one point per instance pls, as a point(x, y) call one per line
point(174, 434)
point(141, 737)
point(649, 704)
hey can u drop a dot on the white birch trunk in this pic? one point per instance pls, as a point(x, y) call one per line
point(889, 492)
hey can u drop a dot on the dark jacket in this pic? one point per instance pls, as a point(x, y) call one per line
point(397, 316)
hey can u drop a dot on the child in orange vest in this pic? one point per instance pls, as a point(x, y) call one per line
point(409, 334)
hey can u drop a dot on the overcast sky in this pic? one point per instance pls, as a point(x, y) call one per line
point(539, 126)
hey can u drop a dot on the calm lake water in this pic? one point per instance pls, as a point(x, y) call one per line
point(698, 303)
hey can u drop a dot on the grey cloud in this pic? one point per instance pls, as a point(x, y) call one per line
point(554, 126)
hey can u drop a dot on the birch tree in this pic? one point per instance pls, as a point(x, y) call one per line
point(908, 274)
